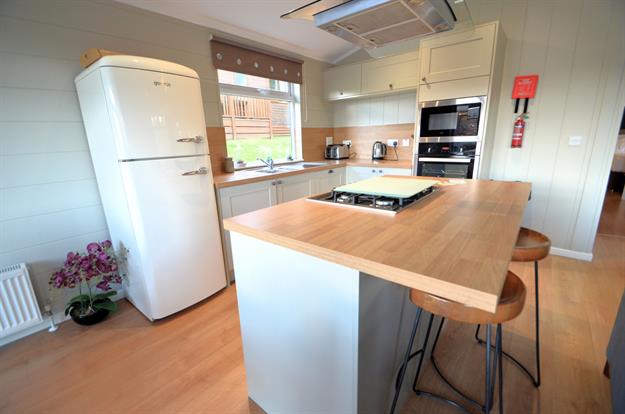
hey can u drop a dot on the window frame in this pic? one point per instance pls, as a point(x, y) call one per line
point(292, 96)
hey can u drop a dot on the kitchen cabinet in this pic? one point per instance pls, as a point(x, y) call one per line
point(326, 181)
point(293, 187)
point(461, 55)
point(391, 74)
point(362, 173)
point(342, 82)
point(243, 199)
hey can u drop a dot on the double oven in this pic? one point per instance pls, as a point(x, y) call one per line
point(450, 136)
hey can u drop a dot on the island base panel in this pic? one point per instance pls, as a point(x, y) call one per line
point(317, 336)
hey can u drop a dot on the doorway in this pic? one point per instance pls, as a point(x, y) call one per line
point(612, 221)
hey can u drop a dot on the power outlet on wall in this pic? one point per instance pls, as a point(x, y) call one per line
point(329, 140)
point(392, 142)
point(347, 142)
point(405, 142)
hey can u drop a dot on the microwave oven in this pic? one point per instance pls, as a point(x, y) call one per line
point(452, 120)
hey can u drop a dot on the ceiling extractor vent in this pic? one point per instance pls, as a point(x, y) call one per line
point(374, 23)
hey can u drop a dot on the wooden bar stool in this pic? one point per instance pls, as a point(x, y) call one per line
point(510, 306)
point(531, 246)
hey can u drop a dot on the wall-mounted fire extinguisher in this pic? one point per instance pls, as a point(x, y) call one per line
point(518, 131)
point(524, 88)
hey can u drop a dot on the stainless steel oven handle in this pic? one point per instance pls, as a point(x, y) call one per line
point(446, 160)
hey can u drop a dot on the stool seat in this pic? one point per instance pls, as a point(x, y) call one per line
point(510, 304)
point(530, 246)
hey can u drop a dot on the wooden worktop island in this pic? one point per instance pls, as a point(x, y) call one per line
point(323, 289)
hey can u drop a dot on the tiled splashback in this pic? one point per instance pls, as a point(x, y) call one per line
point(363, 137)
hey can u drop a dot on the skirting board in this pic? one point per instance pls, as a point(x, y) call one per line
point(572, 254)
point(59, 317)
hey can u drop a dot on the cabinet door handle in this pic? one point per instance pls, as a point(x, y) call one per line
point(380, 171)
point(425, 81)
point(273, 183)
point(390, 86)
point(197, 139)
point(199, 171)
point(373, 171)
point(330, 171)
point(279, 182)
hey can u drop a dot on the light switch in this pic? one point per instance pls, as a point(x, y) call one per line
point(575, 140)
point(405, 142)
point(329, 140)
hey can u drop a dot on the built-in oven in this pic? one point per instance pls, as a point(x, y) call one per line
point(452, 120)
point(447, 159)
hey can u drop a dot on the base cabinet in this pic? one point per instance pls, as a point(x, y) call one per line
point(326, 181)
point(362, 173)
point(246, 198)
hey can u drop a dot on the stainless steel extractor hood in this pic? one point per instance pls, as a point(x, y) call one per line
point(375, 23)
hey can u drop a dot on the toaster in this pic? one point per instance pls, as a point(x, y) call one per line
point(337, 152)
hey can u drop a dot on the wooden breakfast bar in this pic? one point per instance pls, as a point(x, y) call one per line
point(323, 289)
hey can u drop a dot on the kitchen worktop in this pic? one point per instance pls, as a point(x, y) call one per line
point(247, 176)
point(456, 243)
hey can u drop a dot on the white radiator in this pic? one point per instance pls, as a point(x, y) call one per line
point(18, 306)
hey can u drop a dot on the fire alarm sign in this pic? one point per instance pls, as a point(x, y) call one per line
point(524, 87)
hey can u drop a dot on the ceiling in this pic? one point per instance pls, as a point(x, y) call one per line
point(256, 20)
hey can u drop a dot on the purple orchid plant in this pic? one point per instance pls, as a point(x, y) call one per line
point(97, 269)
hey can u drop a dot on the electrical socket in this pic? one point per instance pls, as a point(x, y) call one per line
point(405, 142)
point(392, 142)
point(329, 140)
point(347, 142)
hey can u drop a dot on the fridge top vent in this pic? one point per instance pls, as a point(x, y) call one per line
point(141, 63)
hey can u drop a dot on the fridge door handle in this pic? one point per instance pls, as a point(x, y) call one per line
point(197, 139)
point(199, 171)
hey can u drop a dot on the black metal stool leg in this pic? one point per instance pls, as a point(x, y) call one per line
point(535, 380)
point(423, 348)
point(537, 316)
point(487, 385)
point(499, 356)
point(402, 371)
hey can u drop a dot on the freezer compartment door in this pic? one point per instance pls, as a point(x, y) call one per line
point(154, 114)
point(174, 215)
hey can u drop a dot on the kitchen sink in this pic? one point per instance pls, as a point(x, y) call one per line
point(313, 164)
point(268, 170)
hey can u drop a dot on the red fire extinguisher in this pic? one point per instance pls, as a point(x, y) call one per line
point(518, 131)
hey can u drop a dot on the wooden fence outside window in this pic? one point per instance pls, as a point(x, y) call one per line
point(247, 117)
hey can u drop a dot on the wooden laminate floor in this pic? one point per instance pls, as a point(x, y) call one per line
point(193, 361)
point(612, 220)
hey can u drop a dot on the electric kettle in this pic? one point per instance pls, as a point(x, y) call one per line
point(378, 152)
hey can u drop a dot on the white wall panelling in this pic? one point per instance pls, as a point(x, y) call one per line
point(578, 49)
point(397, 108)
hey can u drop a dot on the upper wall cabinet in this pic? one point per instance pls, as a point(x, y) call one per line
point(460, 55)
point(342, 82)
point(372, 77)
point(389, 74)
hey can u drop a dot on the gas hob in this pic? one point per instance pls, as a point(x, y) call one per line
point(378, 203)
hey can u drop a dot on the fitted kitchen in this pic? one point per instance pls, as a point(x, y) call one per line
point(336, 206)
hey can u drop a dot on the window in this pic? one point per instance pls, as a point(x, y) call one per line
point(261, 117)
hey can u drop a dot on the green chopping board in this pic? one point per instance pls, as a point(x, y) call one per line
point(388, 186)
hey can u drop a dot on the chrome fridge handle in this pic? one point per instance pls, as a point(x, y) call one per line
point(197, 139)
point(199, 171)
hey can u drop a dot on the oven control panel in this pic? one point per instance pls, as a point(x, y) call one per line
point(447, 149)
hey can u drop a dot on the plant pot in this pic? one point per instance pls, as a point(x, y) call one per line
point(91, 319)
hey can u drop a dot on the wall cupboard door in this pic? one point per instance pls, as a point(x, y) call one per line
point(243, 199)
point(342, 82)
point(390, 74)
point(326, 181)
point(457, 56)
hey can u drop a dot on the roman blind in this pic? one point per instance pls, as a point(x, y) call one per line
point(236, 58)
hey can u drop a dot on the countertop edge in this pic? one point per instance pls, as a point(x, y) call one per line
point(331, 164)
point(461, 294)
